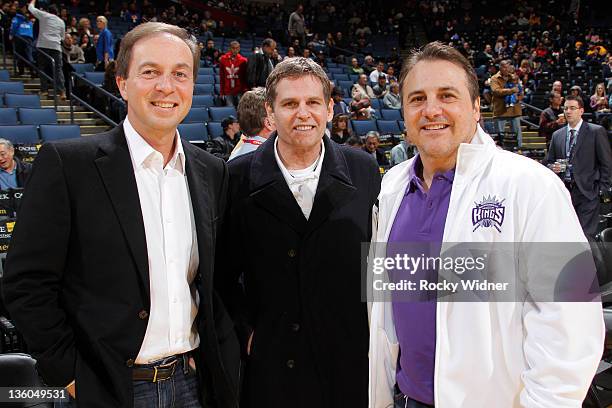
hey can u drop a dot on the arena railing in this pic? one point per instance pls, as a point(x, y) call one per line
point(534, 109)
point(3, 49)
point(34, 67)
point(115, 105)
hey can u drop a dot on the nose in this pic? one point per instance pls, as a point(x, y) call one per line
point(302, 111)
point(164, 84)
point(432, 108)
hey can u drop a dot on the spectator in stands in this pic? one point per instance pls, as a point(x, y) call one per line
point(589, 169)
point(104, 47)
point(84, 30)
point(380, 70)
point(230, 137)
point(362, 89)
point(391, 74)
point(401, 151)
point(13, 172)
point(361, 108)
point(501, 112)
point(586, 102)
point(74, 54)
point(22, 26)
point(117, 191)
point(599, 100)
point(306, 53)
point(73, 28)
point(254, 122)
point(368, 65)
point(557, 86)
point(393, 100)
point(355, 69)
point(372, 141)
point(513, 82)
point(110, 83)
point(290, 53)
point(211, 54)
point(340, 107)
point(89, 50)
point(208, 20)
point(260, 64)
point(233, 75)
point(204, 32)
point(340, 131)
point(607, 71)
point(51, 31)
point(552, 118)
point(381, 89)
point(297, 25)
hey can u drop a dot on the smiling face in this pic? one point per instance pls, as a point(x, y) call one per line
point(159, 85)
point(6, 157)
point(300, 113)
point(438, 110)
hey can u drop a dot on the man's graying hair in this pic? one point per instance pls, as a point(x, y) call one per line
point(6, 143)
point(252, 112)
point(294, 68)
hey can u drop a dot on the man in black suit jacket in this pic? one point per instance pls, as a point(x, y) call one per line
point(260, 65)
point(372, 141)
point(302, 207)
point(586, 147)
point(110, 273)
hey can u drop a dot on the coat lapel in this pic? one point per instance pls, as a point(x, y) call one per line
point(115, 167)
point(583, 133)
point(269, 189)
point(335, 188)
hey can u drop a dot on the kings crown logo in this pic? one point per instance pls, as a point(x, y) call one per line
point(488, 213)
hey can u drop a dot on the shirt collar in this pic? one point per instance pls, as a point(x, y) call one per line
point(415, 181)
point(140, 150)
point(577, 128)
point(316, 173)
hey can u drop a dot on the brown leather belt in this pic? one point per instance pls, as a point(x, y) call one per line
point(154, 374)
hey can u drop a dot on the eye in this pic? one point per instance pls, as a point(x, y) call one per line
point(447, 96)
point(417, 99)
point(149, 73)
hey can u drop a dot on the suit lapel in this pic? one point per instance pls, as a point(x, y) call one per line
point(335, 188)
point(115, 167)
point(199, 191)
point(269, 189)
point(583, 133)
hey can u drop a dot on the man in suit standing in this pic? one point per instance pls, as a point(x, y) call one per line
point(586, 148)
point(261, 64)
point(113, 293)
point(302, 205)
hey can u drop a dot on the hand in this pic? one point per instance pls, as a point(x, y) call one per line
point(555, 167)
point(249, 344)
point(515, 89)
point(71, 390)
point(561, 121)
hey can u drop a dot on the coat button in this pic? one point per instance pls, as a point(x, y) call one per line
point(295, 327)
point(290, 363)
point(130, 362)
point(143, 314)
point(291, 253)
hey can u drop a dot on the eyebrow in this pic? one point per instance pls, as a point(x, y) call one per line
point(443, 89)
point(154, 64)
point(310, 98)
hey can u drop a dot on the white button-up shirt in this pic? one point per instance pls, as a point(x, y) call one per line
point(302, 183)
point(171, 247)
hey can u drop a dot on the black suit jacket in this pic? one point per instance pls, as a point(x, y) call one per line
point(77, 281)
point(258, 69)
point(592, 158)
point(296, 282)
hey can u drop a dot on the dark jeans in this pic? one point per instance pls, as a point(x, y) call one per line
point(23, 47)
point(45, 65)
point(402, 401)
point(587, 211)
point(179, 391)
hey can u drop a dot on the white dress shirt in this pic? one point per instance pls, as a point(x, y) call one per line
point(171, 248)
point(302, 183)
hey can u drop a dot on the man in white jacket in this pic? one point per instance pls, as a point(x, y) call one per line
point(529, 352)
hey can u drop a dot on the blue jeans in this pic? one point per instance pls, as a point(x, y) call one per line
point(515, 125)
point(401, 401)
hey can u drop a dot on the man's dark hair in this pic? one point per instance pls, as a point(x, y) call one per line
point(552, 95)
point(268, 42)
point(354, 141)
point(53, 9)
point(575, 98)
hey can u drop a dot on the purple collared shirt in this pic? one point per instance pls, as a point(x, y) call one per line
point(419, 227)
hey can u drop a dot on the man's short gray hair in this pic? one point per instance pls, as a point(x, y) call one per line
point(372, 133)
point(6, 143)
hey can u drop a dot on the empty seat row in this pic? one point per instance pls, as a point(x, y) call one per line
point(199, 131)
point(11, 87)
point(30, 134)
point(361, 127)
point(202, 113)
point(21, 100)
point(28, 116)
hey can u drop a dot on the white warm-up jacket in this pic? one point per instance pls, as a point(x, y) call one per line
point(488, 354)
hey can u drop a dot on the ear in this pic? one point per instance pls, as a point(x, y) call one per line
point(269, 111)
point(330, 110)
point(122, 86)
point(476, 111)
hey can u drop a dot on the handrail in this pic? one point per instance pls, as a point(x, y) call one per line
point(77, 78)
point(535, 108)
point(3, 49)
point(35, 67)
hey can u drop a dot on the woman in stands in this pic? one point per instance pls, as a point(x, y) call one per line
point(599, 100)
point(88, 49)
point(340, 132)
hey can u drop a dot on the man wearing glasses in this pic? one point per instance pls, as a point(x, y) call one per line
point(580, 154)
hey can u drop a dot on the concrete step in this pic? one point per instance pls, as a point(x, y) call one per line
point(82, 121)
point(77, 115)
point(91, 130)
point(534, 146)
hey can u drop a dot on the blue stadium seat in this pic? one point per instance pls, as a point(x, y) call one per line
point(205, 79)
point(11, 87)
point(346, 85)
point(197, 115)
point(336, 70)
point(217, 114)
point(37, 116)
point(95, 77)
point(206, 71)
point(217, 79)
point(8, 116)
point(401, 124)
point(217, 89)
point(58, 132)
point(362, 127)
point(341, 77)
point(348, 102)
point(82, 68)
point(193, 131)
point(19, 134)
point(22, 101)
point(204, 89)
point(388, 127)
point(203, 101)
point(354, 77)
point(391, 114)
point(4, 75)
point(215, 129)
point(375, 103)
